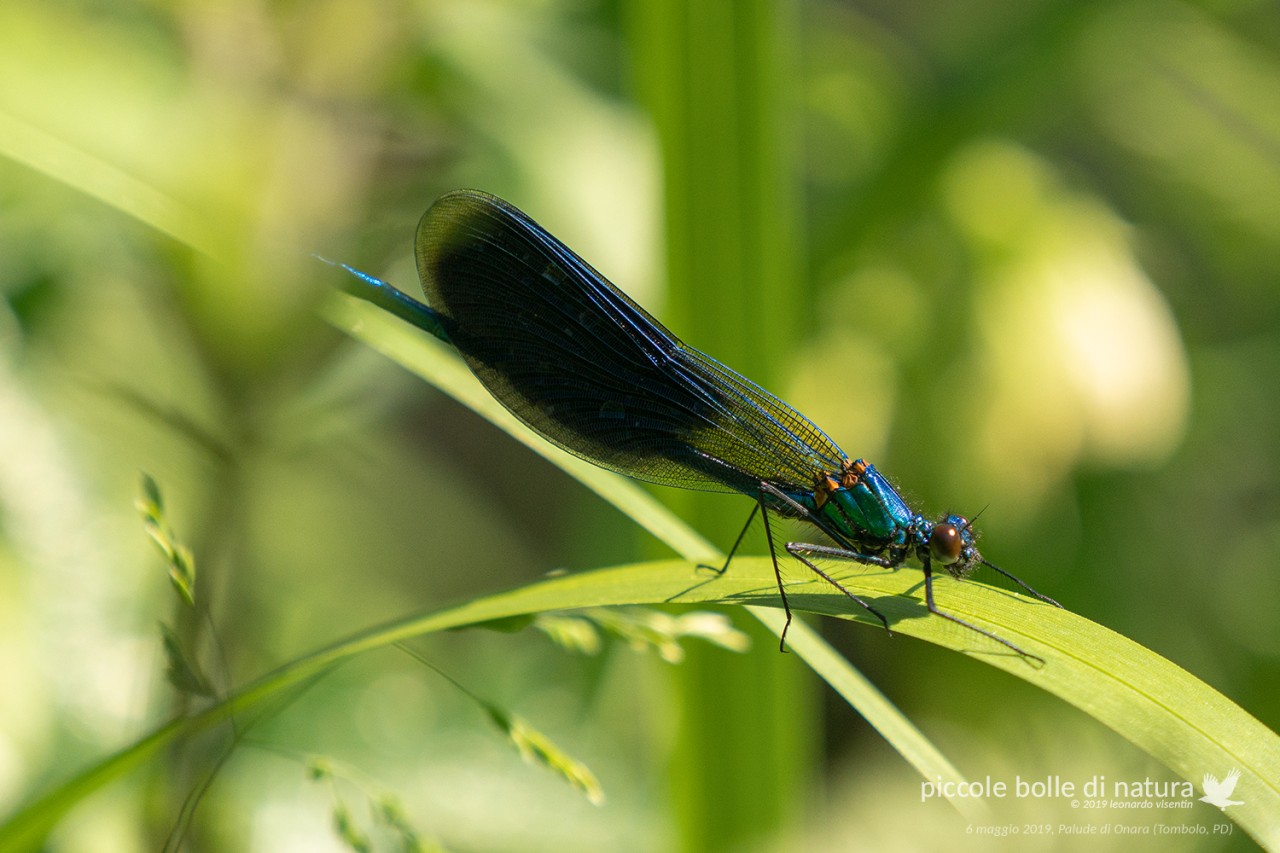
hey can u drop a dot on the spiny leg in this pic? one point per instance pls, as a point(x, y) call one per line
point(799, 509)
point(795, 549)
point(777, 573)
point(933, 608)
point(773, 555)
point(738, 541)
point(837, 553)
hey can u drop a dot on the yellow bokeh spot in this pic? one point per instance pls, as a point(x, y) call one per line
point(1078, 357)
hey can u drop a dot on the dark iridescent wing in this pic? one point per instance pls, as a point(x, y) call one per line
point(574, 358)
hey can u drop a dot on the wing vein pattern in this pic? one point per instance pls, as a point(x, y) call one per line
point(582, 364)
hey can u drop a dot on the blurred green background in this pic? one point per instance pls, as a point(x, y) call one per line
point(1019, 254)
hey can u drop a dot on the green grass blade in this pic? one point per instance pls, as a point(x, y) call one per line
point(719, 87)
point(873, 705)
point(1158, 706)
point(27, 144)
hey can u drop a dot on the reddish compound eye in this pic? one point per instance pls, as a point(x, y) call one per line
point(945, 544)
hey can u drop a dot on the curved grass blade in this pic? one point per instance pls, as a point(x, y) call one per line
point(27, 144)
point(1158, 706)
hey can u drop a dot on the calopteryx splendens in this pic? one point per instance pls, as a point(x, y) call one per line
point(579, 362)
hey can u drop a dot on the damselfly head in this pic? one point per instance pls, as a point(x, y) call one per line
point(951, 544)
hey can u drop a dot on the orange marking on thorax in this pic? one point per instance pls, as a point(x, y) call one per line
point(852, 473)
point(822, 491)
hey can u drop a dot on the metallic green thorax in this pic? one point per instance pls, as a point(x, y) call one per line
point(865, 508)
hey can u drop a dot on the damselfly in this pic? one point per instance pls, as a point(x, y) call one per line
point(579, 362)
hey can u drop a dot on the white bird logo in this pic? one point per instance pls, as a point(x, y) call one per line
point(1219, 793)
